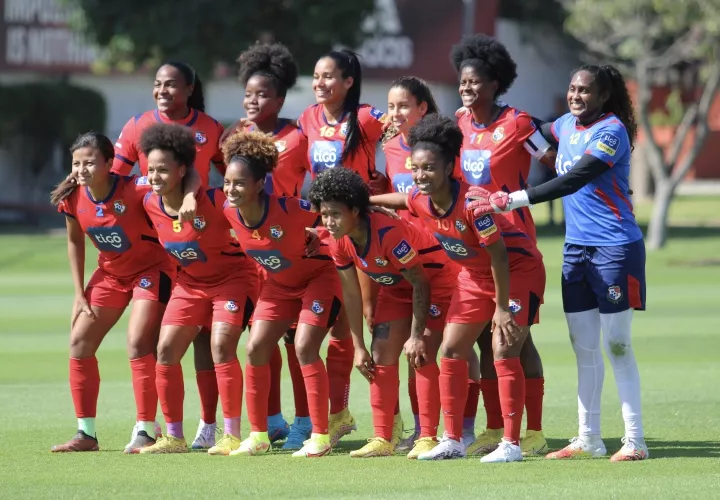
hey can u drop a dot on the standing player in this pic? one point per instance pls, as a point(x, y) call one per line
point(404, 260)
point(603, 276)
point(502, 279)
point(298, 288)
point(178, 94)
point(216, 284)
point(131, 266)
point(499, 142)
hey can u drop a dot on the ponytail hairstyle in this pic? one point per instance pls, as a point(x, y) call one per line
point(438, 134)
point(273, 61)
point(610, 82)
point(349, 65)
point(197, 98)
point(420, 90)
point(93, 140)
point(254, 149)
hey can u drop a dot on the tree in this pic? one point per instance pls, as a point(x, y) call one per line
point(648, 39)
point(205, 32)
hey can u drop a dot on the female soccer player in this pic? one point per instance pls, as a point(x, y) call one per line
point(131, 266)
point(499, 142)
point(404, 261)
point(178, 94)
point(271, 230)
point(603, 276)
point(216, 284)
point(502, 279)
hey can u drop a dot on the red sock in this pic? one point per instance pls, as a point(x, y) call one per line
point(397, 404)
point(340, 355)
point(171, 391)
point(318, 389)
point(412, 393)
point(84, 386)
point(208, 391)
point(143, 382)
point(257, 385)
point(230, 387)
point(471, 405)
point(491, 401)
point(384, 390)
point(428, 399)
point(298, 382)
point(534, 392)
point(511, 384)
point(453, 394)
point(274, 406)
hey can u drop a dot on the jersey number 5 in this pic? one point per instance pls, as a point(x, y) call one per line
point(177, 226)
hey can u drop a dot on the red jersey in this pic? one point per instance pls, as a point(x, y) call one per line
point(118, 227)
point(205, 250)
point(463, 236)
point(277, 242)
point(326, 141)
point(207, 142)
point(498, 156)
point(394, 245)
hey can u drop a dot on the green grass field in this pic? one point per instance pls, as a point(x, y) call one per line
point(675, 341)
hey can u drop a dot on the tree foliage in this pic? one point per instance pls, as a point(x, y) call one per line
point(205, 32)
point(649, 39)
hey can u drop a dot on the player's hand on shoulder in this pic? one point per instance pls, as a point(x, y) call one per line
point(484, 202)
point(239, 125)
point(312, 242)
point(462, 111)
point(188, 209)
point(383, 210)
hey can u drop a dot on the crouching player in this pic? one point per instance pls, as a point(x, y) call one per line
point(502, 280)
point(216, 284)
point(404, 260)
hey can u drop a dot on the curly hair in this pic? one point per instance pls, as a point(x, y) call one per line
point(340, 185)
point(93, 140)
point(172, 137)
point(438, 134)
point(610, 82)
point(273, 61)
point(255, 149)
point(488, 57)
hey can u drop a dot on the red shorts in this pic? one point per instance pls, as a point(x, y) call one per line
point(105, 290)
point(230, 302)
point(317, 303)
point(396, 303)
point(474, 300)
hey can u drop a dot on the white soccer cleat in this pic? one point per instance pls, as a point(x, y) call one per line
point(580, 447)
point(205, 436)
point(446, 449)
point(505, 452)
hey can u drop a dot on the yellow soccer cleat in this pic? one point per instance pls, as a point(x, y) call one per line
point(166, 444)
point(225, 446)
point(258, 443)
point(397, 431)
point(317, 446)
point(340, 424)
point(376, 447)
point(422, 445)
point(485, 442)
point(533, 444)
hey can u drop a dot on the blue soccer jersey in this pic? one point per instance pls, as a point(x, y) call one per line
point(600, 213)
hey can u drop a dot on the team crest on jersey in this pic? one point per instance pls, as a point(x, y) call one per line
point(614, 294)
point(515, 306)
point(231, 306)
point(460, 225)
point(343, 129)
point(498, 135)
point(381, 262)
point(276, 232)
point(281, 146)
point(119, 207)
point(200, 137)
point(145, 283)
point(317, 307)
point(435, 311)
point(199, 223)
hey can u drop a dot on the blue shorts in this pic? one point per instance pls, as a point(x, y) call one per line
point(611, 279)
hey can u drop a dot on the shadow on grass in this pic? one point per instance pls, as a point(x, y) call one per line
point(658, 448)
